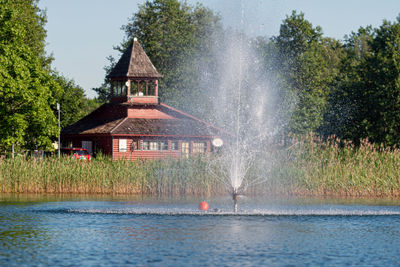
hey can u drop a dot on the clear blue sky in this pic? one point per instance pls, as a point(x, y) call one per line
point(82, 33)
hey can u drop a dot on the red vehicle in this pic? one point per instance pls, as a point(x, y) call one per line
point(76, 152)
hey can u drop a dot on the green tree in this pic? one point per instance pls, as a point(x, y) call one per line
point(345, 111)
point(74, 104)
point(178, 39)
point(380, 79)
point(307, 70)
point(25, 85)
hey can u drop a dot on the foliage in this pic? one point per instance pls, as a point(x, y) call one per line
point(380, 79)
point(178, 39)
point(74, 105)
point(348, 88)
point(365, 102)
point(306, 65)
point(25, 85)
point(32, 19)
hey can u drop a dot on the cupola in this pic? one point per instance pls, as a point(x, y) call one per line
point(134, 79)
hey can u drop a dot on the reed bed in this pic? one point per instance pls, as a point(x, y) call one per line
point(307, 166)
point(336, 168)
point(105, 176)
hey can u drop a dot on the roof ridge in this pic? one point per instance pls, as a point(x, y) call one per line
point(119, 124)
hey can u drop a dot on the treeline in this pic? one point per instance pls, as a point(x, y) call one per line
point(29, 87)
point(348, 88)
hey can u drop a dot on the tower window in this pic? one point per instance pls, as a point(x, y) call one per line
point(119, 88)
point(134, 88)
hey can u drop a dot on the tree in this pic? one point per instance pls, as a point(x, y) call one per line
point(178, 39)
point(344, 114)
point(33, 19)
point(366, 101)
point(25, 85)
point(306, 70)
point(72, 99)
point(380, 80)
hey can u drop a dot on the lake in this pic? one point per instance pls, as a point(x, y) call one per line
point(119, 231)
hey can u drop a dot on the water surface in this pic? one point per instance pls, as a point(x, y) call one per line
point(104, 231)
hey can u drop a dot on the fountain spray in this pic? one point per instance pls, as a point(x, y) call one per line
point(237, 150)
point(245, 106)
point(235, 196)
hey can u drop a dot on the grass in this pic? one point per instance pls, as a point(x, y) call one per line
point(309, 166)
point(104, 176)
point(335, 168)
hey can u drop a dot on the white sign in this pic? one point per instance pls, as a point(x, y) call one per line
point(217, 142)
point(122, 147)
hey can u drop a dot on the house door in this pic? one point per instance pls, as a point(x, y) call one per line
point(185, 149)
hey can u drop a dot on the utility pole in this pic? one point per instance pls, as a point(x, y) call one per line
point(59, 130)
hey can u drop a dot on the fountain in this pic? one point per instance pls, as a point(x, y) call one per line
point(245, 106)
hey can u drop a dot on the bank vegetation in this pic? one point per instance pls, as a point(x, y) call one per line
point(305, 166)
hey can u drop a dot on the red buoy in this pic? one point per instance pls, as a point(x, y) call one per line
point(203, 206)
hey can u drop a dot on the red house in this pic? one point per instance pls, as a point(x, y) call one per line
point(134, 124)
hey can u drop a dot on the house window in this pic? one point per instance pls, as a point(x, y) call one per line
point(174, 145)
point(122, 147)
point(145, 145)
point(150, 145)
point(135, 145)
point(163, 145)
point(185, 151)
point(155, 145)
point(199, 147)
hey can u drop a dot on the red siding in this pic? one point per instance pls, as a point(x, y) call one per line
point(145, 154)
point(147, 113)
point(145, 99)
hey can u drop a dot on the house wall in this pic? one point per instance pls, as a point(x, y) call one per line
point(144, 99)
point(131, 154)
point(109, 145)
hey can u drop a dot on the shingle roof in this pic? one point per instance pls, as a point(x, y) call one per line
point(92, 126)
point(111, 118)
point(181, 127)
point(134, 63)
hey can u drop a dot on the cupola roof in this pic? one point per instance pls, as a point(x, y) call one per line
point(134, 63)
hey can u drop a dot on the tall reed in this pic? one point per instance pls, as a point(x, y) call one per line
point(307, 166)
point(68, 175)
point(338, 168)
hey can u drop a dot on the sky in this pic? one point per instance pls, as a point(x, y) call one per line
point(81, 34)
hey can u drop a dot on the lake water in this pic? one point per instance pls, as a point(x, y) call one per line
point(105, 231)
